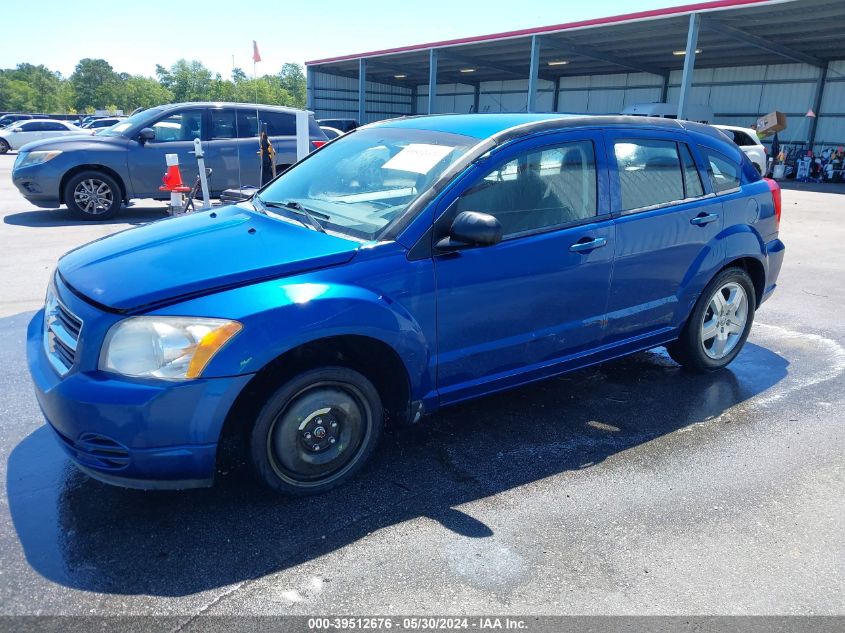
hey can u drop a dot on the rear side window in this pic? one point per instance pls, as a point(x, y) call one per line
point(279, 123)
point(649, 173)
point(724, 173)
point(741, 138)
point(222, 124)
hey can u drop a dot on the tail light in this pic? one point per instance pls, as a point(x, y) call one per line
point(318, 144)
point(774, 187)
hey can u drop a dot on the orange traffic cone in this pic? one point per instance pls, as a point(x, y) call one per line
point(173, 179)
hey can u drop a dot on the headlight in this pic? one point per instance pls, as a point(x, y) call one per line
point(28, 159)
point(171, 348)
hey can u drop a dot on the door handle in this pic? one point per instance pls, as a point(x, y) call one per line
point(580, 247)
point(707, 218)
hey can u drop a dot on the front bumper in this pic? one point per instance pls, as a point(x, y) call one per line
point(138, 434)
point(39, 184)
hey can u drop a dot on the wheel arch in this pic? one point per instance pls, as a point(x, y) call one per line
point(755, 269)
point(378, 361)
point(78, 169)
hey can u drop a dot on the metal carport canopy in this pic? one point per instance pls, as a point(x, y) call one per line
point(729, 33)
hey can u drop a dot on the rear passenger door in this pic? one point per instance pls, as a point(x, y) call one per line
point(666, 217)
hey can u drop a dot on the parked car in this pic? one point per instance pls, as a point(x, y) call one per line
point(93, 176)
point(344, 125)
point(19, 134)
point(98, 124)
point(331, 132)
point(406, 266)
point(7, 119)
point(748, 142)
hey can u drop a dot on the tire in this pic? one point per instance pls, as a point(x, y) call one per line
point(719, 324)
point(93, 196)
point(4, 146)
point(316, 432)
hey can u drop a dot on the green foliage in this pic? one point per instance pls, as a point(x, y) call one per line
point(94, 85)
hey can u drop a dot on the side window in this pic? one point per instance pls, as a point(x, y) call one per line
point(182, 126)
point(741, 138)
point(223, 124)
point(247, 124)
point(724, 173)
point(649, 173)
point(692, 179)
point(539, 189)
point(30, 127)
point(278, 123)
point(53, 127)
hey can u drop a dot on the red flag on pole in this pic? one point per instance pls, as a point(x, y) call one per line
point(256, 56)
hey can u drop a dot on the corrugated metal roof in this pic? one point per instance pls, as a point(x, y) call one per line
point(636, 41)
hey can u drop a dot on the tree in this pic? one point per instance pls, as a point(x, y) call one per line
point(94, 83)
point(293, 82)
point(187, 80)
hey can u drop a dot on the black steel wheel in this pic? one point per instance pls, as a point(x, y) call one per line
point(4, 146)
point(316, 431)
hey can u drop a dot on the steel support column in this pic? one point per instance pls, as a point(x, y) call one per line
point(556, 98)
point(664, 89)
point(362, 91)
point(432, 79)
point(689, 64)
point(534, 68)
point(476, 95)
point(309, 88)
point(414, 99)
point(817, 105)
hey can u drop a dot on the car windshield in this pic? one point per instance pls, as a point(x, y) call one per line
point(358, 184)
point(131, 122)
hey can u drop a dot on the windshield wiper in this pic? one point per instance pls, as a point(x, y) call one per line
point(292, 205)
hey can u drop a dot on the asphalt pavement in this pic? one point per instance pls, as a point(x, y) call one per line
point(632, 488)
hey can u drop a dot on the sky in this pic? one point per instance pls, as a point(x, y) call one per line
point(135, 36)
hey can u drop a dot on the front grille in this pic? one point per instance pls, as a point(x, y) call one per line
point(62, 329)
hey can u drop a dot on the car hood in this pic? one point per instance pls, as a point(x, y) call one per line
point(75, 141)
point(196, 254)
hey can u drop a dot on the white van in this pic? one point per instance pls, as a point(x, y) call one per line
point(698, 113)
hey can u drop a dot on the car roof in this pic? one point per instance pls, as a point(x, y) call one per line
point(483, 126)
point(736, 127)
point(226, 104)
point(45, 120)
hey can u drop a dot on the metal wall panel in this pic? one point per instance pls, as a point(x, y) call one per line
point(737, 95)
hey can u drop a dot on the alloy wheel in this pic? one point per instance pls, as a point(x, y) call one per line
point(724, 321)
point(93, 196)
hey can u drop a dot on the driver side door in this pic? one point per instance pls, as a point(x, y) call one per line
point(521, 308)
point(175, 134)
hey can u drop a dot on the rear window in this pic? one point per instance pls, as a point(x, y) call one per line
point(724, 172)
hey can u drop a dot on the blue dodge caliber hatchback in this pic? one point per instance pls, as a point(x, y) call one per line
point(405, 266)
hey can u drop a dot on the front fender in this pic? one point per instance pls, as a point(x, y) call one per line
point(281, 315)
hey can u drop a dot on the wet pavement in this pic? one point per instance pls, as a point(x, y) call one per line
point(629, 488)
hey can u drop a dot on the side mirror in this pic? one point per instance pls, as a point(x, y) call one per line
point(16, 130)
point(146, 134)
point(471, 229)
